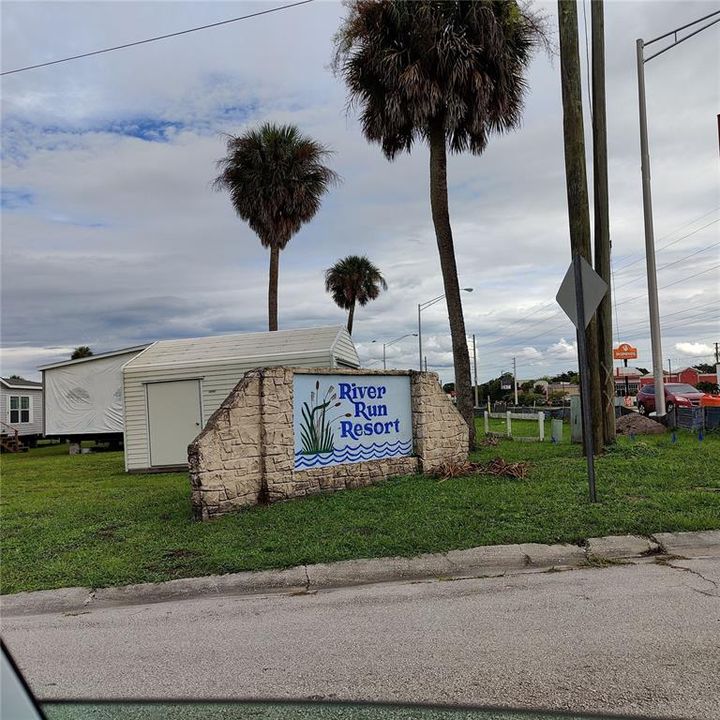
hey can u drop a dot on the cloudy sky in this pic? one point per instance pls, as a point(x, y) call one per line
point(112, 236)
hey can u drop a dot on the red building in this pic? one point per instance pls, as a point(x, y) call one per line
point(688, 375)
point(635, 378)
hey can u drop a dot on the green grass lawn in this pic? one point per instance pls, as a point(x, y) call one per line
point(80, 520)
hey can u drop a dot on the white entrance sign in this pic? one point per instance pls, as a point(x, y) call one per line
point(342, 419)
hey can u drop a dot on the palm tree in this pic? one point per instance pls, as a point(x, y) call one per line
point(449, 74)
point(276, 178)
point(82, 351)
point(354, 279)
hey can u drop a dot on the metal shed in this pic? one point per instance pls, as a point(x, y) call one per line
point(172, 388)
point(83, 398)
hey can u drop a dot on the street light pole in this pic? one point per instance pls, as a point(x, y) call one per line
point(477, 403)
point(387, 344)
point(419, 337)
point(655, 336)
point(424, 306)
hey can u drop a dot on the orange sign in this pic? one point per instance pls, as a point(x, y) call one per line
point(625, 352)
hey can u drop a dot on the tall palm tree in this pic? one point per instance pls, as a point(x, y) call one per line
point(354, 279)
point(276, 179)
point(449, 74)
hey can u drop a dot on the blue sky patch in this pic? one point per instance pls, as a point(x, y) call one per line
point(147, 128)
point(16, 198)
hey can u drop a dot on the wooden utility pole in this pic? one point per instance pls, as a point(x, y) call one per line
point(576, 181)
point(602, 219)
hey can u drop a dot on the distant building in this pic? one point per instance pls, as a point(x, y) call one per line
point(563, 387)
point(633, 376)
point(21, 412)
point(689, 375)
point(83, 397)
point(637, 379)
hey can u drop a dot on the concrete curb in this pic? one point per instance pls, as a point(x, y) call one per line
point(491, 560)
point(621, 547)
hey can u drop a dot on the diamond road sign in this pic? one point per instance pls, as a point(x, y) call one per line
point(594, 289)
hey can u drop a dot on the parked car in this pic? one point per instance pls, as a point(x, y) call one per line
point(676, 395)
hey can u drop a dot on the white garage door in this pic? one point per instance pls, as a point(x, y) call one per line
point(175, 420)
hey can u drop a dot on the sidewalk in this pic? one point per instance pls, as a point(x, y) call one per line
point(487, 561)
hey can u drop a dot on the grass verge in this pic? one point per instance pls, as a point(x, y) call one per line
point(81, 521)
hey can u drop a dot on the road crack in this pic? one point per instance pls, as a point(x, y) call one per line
point(668, 563)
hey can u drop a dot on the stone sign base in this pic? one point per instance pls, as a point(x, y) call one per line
point(245, 455)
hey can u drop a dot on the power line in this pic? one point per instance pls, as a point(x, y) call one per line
point(526, 319)
point(683, 237)
point(614, 299)
point(675, 262)
point(677, 282)
point(156, 38)
point(690, 277)
point(700, 309)
point(681, 322)
point(697, 252)
point(547, 331)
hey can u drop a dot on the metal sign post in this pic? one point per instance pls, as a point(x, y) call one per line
point(584, 379)
point(579, 295)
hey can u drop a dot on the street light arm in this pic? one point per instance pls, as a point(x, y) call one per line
point(653, 305)
point(683, 27)
point(402, 337)
point(677, 42)
point(421, 307)
point(427, 304)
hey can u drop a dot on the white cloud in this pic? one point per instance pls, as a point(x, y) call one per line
point(13, 359)
point(530, 353)
point(563, 349)
point(694, 349)
point(115, 237)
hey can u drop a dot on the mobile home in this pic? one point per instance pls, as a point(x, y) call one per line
point(21, 413)
point(83, 397)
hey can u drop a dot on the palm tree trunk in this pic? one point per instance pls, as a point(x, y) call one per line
point(443, 233)
point(351, 315)
point(273, 289)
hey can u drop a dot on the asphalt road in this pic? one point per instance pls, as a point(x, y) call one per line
point(633, 640)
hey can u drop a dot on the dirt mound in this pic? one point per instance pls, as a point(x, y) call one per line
point(636, 424)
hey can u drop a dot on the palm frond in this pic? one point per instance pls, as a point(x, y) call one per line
point(276, 178)
point(354, 279)
point(408, 65)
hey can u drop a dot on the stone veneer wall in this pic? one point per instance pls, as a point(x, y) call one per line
point(245, 455)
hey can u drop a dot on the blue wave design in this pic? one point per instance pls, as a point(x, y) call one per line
point(350, 454)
